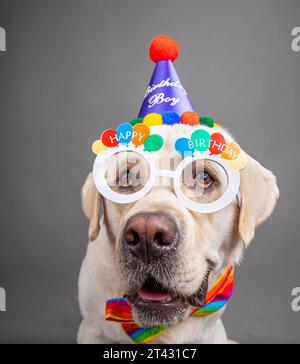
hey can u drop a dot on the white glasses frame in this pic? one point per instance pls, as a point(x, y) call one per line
point(232, 190)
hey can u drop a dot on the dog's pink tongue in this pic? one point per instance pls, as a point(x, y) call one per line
point(149, 294)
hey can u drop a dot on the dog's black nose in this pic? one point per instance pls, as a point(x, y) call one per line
point(150, 235)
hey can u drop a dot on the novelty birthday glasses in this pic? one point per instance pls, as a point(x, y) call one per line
point(203, 183)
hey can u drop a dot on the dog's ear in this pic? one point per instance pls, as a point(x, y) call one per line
point(259, 193)
point(91, 200)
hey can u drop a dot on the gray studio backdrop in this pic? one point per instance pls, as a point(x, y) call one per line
point(73, 68)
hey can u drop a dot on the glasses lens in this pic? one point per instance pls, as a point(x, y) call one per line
point(127, 172)
point(204, 181)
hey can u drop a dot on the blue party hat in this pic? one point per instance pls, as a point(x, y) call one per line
point(165, 92)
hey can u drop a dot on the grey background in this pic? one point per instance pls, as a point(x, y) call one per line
point(73, 68)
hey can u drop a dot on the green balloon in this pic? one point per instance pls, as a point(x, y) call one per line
point(153, 143)
point(201, 139)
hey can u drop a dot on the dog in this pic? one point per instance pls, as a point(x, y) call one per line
point(192, 245)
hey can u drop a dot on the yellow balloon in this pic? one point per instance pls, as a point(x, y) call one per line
point(98, 147)
point(232, 151)
point(238, 163)
point(153, 119)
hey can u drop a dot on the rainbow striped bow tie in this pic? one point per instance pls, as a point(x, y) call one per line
point(120, 310)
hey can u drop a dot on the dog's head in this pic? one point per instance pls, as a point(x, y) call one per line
point(165, 251)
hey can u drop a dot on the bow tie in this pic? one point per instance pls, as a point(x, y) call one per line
point(120, 310)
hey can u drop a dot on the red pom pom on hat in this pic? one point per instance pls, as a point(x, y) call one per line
point(190, 118)
point(163, 48)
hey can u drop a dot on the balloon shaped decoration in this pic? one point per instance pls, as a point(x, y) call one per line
point(124, 133)
point(98, 147)
point(232, 151)
point(139, 134)
point(153, 143)
point(217, 143)
point(201, 139)
point(109, 138)
point(185, 147)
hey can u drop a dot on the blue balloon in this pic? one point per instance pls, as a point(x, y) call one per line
point(185, 147)
point(170, 118)
point(124, 133)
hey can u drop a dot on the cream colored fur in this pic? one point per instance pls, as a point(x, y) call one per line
point(219, 237)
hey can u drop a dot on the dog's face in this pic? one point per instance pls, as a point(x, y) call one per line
point(166, 253)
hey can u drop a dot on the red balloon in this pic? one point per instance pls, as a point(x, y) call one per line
point(109, 138)
point(217, 143)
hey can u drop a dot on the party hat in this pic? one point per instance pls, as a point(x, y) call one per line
point(165, 92)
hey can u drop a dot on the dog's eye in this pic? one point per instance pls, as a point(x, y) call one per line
point(198, 176)
point(204, 179)
point(129, 179)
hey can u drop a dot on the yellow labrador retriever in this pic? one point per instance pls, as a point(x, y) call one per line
point(173, 250)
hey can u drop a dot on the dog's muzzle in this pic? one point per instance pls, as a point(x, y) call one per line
point(150, 247)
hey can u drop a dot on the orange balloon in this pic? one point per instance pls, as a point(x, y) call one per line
point(139, 134)
point(232, 151)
